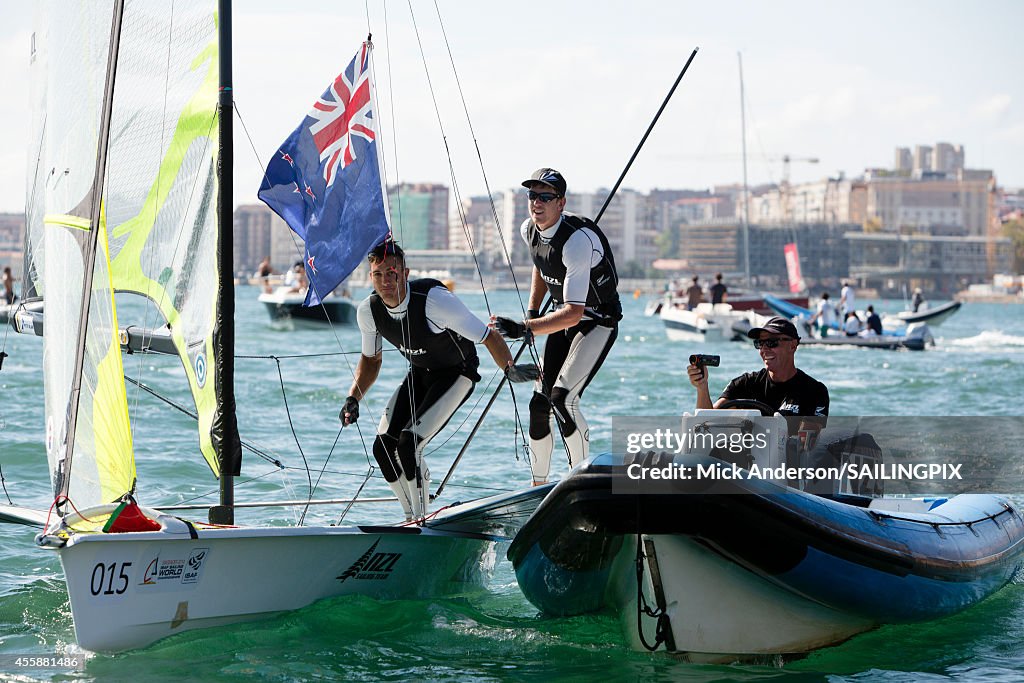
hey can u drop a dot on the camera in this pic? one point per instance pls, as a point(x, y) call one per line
point(704, 360)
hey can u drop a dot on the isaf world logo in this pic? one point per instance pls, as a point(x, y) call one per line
point(371, 565)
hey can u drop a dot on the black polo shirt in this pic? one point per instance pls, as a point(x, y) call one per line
point(800, 395)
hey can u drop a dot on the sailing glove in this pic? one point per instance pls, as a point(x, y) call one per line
point(350, 411)
point(509, 328)
point(532, 313)
point(525, 372)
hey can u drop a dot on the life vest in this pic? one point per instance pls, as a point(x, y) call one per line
point(412, 336)
point(602, 296)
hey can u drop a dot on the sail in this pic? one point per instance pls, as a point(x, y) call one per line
point(122, 197)
point(37, 169)
point(160, 201)
point(88, 441)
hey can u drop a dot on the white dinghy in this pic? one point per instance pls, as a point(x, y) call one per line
point(132, 194)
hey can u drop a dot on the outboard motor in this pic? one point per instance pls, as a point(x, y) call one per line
point(919, 331)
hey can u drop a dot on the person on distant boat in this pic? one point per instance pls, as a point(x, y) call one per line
point(874, 323)
point(437, 334)
point(573, 261)
point(847, 299)
point(852, 325)
point(264, 271)
point(718, 290)
point(291, 275)
point(824, 316)
point(8, 280)
point(918, 300)
point(694, 294)
point(780, 384)
point(295, 279)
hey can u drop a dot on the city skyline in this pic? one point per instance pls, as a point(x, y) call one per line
point(546, 87)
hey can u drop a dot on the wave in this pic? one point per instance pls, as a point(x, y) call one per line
point(987, 340)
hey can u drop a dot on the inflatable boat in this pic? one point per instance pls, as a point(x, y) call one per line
point(915, 336)
point(733, 568)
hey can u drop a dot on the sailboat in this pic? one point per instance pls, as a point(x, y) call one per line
point(132, 194)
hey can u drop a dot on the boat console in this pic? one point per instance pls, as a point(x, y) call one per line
point(789, 451)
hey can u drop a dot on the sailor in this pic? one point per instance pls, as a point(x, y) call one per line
point(779, 385)
point(435, 331)
point(573, 261)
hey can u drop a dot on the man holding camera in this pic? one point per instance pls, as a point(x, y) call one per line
point(780, 385)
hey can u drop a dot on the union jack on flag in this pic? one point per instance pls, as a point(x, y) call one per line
point(341, 112)
point(324, 181)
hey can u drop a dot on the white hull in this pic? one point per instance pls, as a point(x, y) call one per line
point(741, 615)
point(707, 322)
point(128, 590)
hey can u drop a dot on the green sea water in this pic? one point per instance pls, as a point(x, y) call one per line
point(975, 369)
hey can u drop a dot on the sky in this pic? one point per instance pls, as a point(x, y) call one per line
point(574, 85)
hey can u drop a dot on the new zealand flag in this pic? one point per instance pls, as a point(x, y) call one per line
point(324, 181)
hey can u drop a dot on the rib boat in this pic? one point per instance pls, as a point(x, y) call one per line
point(725, 568)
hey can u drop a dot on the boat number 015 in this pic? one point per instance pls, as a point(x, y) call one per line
point(108, 579)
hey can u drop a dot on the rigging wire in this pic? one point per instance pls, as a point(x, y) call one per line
point(451, 164)
point(455, 187)
point(248, 446)
point(479, 156)
point(3, 482)
point(404, 323)
point(333, 328)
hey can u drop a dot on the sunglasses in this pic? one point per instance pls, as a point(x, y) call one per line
point(543, 197)
point(769, 343)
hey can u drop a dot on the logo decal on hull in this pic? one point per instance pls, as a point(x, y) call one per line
point(164, 572)
point(371, 565)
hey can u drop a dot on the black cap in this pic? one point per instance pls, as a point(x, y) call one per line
point(776, 325)
point(548, 176)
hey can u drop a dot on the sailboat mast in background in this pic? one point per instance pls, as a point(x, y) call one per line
point(744, 218)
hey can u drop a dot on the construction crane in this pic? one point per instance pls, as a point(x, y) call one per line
point(784, 187)
point(786, 159)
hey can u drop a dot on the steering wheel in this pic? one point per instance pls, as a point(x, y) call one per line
point(748, 403)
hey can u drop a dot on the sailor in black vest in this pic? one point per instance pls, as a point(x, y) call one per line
point(572, 261)
point(438, 335)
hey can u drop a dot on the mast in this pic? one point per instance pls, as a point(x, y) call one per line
point(225, 422)
point(95, 200)
point(744, 217)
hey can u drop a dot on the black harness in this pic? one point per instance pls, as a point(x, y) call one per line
point(603, 295)
point(413, 337)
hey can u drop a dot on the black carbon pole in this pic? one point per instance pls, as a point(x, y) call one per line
point(644, 138)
